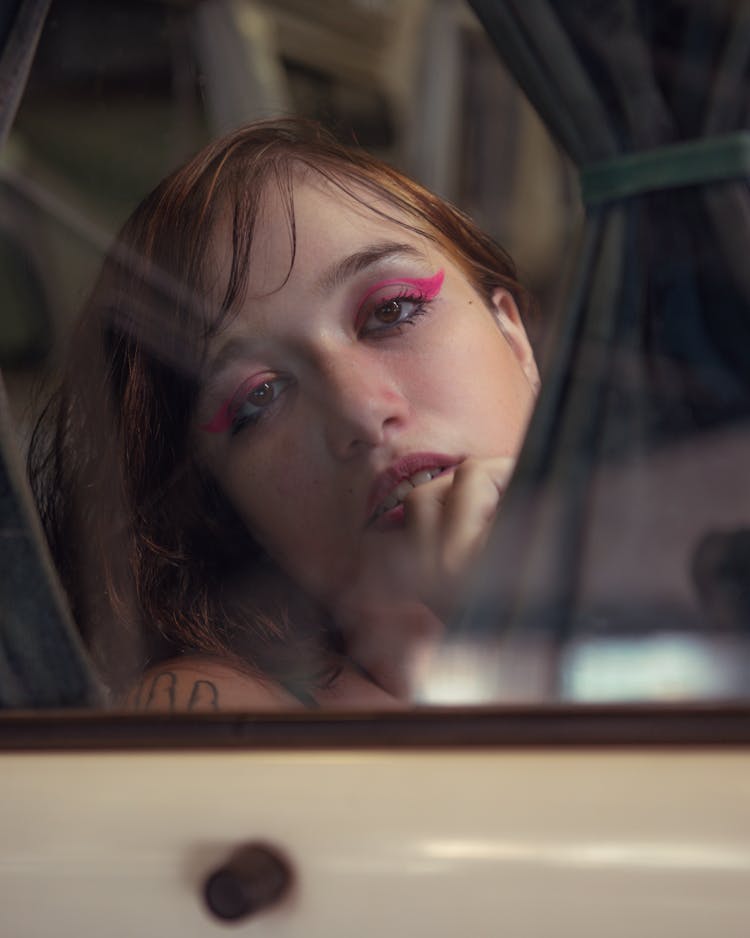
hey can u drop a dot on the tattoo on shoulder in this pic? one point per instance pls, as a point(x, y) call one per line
point(204, 696)
point(165, 692)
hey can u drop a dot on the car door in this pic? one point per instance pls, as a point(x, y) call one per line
point(580, 764)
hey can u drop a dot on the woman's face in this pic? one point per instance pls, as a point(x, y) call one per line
point(373, 361)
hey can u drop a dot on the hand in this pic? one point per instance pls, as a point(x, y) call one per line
point(448, 521)
point(408, 582)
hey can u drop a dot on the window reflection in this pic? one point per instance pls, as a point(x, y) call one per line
point(292, 413)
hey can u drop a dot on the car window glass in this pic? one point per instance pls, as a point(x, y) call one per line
point(618, 568)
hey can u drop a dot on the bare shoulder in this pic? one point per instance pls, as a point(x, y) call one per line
point(193, 684)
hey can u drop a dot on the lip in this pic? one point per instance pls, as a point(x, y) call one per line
point(394, 518)
point(402, 469)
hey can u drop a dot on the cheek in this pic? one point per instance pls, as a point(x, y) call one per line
point(510, 398)
point(276, 494)
point(289, 514)
point(473, 378)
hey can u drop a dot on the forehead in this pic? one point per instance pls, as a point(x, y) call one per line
point(298, 232)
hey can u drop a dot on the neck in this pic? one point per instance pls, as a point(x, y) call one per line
point(394, 644)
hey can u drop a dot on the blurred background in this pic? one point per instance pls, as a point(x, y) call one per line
point(122, 92)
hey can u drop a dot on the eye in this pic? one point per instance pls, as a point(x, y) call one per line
point(392, 304)
point(385, 315)
point(252, 403)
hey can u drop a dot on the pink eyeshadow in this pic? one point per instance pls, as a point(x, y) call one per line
point(429, 287)
point(221, 420)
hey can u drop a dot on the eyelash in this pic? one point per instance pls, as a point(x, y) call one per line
point(243, 396)
point(421, 304)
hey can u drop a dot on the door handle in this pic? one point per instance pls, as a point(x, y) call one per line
point(254, 877)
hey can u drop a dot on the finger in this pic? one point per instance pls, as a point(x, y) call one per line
point(470, 508)
point(498, 468)
point(423, 520)
point(467, 521)
point(424, 505)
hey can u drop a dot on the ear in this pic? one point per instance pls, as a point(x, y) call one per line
point(509, 320)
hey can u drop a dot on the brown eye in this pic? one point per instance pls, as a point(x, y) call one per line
point(262, 395)
point(390, 316)
point(389, 312)
point(254, 404)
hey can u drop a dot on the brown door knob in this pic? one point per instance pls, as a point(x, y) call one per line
point(255, 876)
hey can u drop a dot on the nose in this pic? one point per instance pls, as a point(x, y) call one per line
point(362, 405)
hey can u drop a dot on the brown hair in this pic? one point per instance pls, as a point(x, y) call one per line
point(152, 556)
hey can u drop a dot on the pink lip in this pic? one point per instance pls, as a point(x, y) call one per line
point(390, 519)
point(403, 469)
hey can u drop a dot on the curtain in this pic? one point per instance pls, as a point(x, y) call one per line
point(42, 662)
point(629, 513)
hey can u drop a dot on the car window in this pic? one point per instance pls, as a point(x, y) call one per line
point(618, 565)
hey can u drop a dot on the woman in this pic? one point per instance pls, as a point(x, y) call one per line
point(306, 382)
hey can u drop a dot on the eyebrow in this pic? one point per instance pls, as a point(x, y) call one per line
point(353, 264)
point(338, 273)
point(234, 349)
